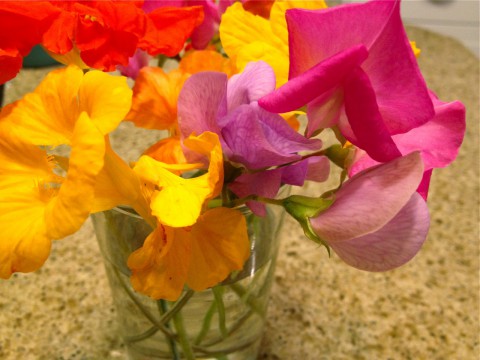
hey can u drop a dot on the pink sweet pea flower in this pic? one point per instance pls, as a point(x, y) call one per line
point(438, 141)
point(378, 221)
point(368, 83)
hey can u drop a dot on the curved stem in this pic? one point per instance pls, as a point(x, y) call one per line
point(183, 337)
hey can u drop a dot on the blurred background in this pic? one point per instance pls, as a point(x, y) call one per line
point(455, 18)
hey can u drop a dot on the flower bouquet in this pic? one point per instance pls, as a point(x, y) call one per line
point(248, 99)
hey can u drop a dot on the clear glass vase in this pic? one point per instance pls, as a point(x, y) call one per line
point(224, 322)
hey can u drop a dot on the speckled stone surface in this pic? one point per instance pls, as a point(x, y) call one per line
point(320, 308)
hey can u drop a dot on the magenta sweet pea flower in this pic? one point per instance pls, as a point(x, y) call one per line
point(438, 141)
point(378, 221)
point(368, 83)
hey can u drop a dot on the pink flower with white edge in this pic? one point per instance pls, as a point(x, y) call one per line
point(378, 221)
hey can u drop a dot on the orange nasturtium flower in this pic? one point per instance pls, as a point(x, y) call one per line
point(247, 37)
point(38, 204)
point(103, 34)
point(189, 245)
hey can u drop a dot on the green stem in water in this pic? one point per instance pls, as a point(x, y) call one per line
point(206, 324)
point(218, 295)
point(163, 309)
point(183, 337)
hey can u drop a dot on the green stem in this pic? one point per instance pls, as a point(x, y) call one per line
point(183, 337)
point(206, 324)
point(241, 201)
point(218, 295)
point(163, 309)
point(145, 312)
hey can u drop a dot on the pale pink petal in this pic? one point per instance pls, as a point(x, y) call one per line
point(202, 102)
point(370, 199)
point(391, 246)
point(257, 80)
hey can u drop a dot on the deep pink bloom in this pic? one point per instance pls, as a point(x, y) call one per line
point(367, 83)
point(378, 221)
point(135, 63)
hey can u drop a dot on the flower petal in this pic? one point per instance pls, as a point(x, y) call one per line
point(322, 77)
point(370, 199)
point(201, 102)
point(216, 252)
point(391, 246)
point(159, 267)
point(255, 81)
point(155, 96)
point(67, 211)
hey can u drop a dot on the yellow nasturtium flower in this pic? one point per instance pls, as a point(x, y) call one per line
point(37, 203)
point(246, 37)
point(189, 245)
point(177, 201)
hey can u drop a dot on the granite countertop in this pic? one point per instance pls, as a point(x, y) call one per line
point(320, 308)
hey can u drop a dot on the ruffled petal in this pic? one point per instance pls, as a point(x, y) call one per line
point(160, 266)
point(216, 252)
point(155, 95)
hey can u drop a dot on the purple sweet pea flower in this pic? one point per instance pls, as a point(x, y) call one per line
point(250, 135)
point(378, 221)
point(438, 141)
point(367, 83)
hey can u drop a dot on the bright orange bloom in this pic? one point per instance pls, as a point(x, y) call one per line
point(107, 33)
point(200, 256)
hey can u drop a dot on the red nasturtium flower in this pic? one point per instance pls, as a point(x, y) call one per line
point(107, 33)
point(27, 21)
point(97, 34)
